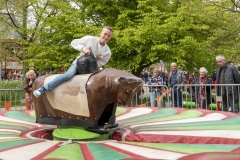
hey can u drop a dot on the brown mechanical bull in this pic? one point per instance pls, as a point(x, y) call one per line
point(103, 89)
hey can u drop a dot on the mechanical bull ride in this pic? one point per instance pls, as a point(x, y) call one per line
point(87, 100)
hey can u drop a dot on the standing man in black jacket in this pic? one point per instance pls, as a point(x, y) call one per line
point(228, 74)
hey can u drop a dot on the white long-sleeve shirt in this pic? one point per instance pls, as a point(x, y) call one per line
point(101, 53)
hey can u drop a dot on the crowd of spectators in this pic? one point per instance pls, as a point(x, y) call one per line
point(197, 85)
point(12, 75)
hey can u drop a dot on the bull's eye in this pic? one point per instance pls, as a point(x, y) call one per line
point(129, 91)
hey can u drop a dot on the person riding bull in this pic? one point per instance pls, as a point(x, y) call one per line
point(86, 45)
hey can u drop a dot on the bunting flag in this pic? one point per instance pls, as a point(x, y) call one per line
point(142, 105)
point(166, 91)
point(158, 99)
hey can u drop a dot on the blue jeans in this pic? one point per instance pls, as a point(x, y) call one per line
point(153, 96)
point(62, 78)
point(177, 97)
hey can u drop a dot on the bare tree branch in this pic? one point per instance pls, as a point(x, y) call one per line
point(226, 8)
point(39, 16)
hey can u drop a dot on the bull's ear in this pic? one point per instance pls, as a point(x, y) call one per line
point(125, 79)
point(121, 79)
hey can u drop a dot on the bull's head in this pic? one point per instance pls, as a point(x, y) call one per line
point(129, 87)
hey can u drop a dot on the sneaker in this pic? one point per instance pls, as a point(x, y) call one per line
point(39, 91)
point(237, 112)
point(229, 109)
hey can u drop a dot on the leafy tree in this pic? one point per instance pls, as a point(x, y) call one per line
point(189, 32)
point(46, 28)
point(62, 23)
